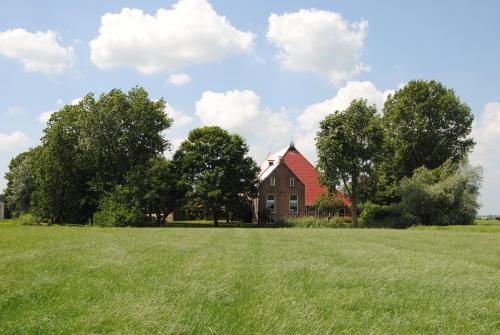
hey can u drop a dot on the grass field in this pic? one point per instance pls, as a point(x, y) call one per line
point(248, 281)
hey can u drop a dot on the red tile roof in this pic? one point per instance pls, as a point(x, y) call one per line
point(308, 175)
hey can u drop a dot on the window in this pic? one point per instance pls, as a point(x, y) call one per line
point(292, 181)
point(270, 203)
point(294, 203)
point(273, 181)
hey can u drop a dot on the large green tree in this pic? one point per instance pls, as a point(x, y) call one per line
point(425, 124)
point(20, 182)
point(347, 143)
point(90, 148)
point(215, 167)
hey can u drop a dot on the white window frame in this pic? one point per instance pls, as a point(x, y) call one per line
point(290, 203)
point(292, 182)
point(273, 181)
point(274, 202)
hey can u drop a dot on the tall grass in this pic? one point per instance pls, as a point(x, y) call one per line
point(82, 280)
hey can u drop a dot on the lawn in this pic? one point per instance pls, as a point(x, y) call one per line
point(75, 280)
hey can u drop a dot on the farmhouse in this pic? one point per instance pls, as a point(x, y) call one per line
point(289, 187)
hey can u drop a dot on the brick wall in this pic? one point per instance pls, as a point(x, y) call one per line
point(282, 191)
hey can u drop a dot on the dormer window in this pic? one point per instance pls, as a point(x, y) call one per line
point(292, 182)
point(273, 181)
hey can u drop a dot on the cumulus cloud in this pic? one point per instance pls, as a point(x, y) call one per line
point(190, 32)
point(241, 112)
point(308, 121)
point(38, 52)
point(319, 41)
point(265, 130)
point(12, 141)
point(486, 133)
point(180, 119)
point(179, 79)
point(45, 116)
point(312, 115)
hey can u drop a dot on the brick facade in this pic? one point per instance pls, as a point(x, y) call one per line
point(282, 192)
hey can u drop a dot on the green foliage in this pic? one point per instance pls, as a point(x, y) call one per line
point(20, 182)
point(27, 219)
point(386, 216)
point(86, 151)
point(446, 195)
point(328, 203)
point(119, 209)
point(312, 222)
point(425, 124)
point(155, 187)
point(348, 142)
point(216, 170)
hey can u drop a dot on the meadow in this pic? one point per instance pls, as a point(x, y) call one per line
point(81, 280)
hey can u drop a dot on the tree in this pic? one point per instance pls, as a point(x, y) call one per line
point(425, 124)
point(347, 143)
point(20, 182)
point(215, 167)
point(442, 196)
point(90, 148)
point(328, 203)
point(155, 187)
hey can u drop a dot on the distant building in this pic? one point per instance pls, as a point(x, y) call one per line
point(289, 187)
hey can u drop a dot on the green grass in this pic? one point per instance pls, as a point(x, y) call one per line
point(7, 222)
point(70, 280)
point(486, 226)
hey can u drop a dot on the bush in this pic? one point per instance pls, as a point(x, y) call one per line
point(117, 211)
point(385, 216)
point(443, 196)
point(312, 222)
point(27, 219)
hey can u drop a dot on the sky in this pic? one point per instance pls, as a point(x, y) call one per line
point(268, 70)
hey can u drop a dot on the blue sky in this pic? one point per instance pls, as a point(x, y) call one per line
point(267, 77)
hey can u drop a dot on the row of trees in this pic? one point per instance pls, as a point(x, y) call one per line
point(102, 161)
point(412, 158)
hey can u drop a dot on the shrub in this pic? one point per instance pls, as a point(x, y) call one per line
point(312, 222)
point(27, 219)
point(385, 216)
point(443, 196)
point(116, 210)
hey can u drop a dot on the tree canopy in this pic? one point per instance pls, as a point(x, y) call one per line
point(425, 124)
point(347, 143)
point(217, 171)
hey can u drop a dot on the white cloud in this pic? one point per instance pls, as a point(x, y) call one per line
point(190, 32)
point(180, 119)
point(38, 52)
point(308, 121)
point(176, 143)
point(319, 41)
point(45, 116)
point(313, 114)
point(241, 112)
point(179, 79)
point(15, 110)
point(12, 141)
point(486, 133)
point(75, 101)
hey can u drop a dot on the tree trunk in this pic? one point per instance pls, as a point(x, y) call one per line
point(354, 202)
point(216, 218)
